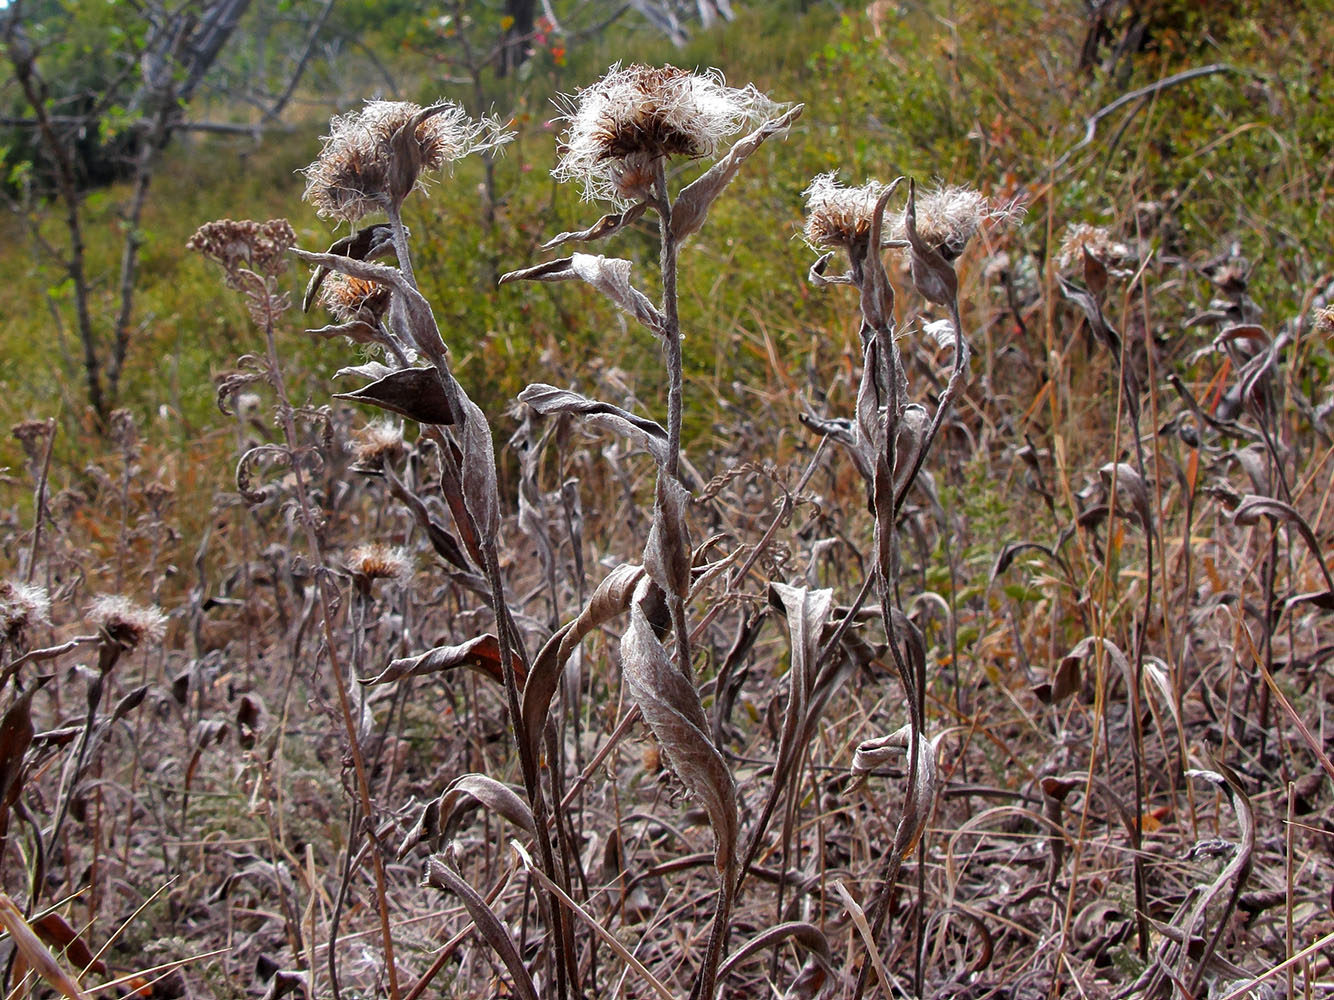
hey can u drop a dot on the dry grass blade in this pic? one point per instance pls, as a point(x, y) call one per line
point(888, 985)
point(440, 875)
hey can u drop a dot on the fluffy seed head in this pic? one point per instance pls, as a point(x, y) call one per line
point(376, 443)
point(1324, 320)
point(1098, 241)
point(348, 298)
point(838, 216)
point(622, 125)
point(126, 622)
point(22, 606)
point(253, 246)
point(380, 562)
point(361, 168)
point(948, 217)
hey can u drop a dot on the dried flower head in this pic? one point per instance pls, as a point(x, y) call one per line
point(1324, 320)
point(634, 116)
point(22, 606)
point(127, 623)
point(260, 247)
point(380, 562)
point(838, 216)
point(948, 217)
point(377, 442)
point(349, 299)
point(1079, 237)
point(373, 158)
point(33, 436)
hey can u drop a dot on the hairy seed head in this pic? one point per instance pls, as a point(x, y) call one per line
point(362, 169)
point(838, 216)
point(377, 442)
point(22, 606)
point(1079, 237)
point(126, 622)
point(348, 298)
point(380, 562)
point(948, 217)
point(622, 125)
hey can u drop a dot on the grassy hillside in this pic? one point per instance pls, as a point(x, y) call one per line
point(1108, 590)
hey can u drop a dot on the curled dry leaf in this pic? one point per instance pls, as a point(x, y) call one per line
point(416, 393)
point(481, 494)
point(667, 552)
point(691, 207)
point(481, 654)
point(808, 936)
point(932, 275)
point(609, 275)
point(1122, 480)
point(649, 434)
point(609, 224)
point(872, 753)
point(610, 600)
point(672, 709)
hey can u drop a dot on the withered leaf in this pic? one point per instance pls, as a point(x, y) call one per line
point(439, 875)
point(609, 224)
point(691, 207)
point(649, 434)
point(416, 393)
point(672, 709)
point(481, 654)
point(56, 931)
point(610, 276)
point(667, 552)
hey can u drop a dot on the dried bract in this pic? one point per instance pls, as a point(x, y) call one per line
point(373, 158)
point(260, 247)
point(127, 623)
point(634, 116)
point(22, 606)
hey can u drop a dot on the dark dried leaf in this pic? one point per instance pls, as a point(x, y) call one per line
point(416, 393)
point(649, 434)
point(481, 654)
point(667, 552)
point(606, 226)
point(473, 791)
point(932, 275)
point(56, 931)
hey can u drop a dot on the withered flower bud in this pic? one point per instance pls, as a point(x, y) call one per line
point(376, 561)
point(22, 606)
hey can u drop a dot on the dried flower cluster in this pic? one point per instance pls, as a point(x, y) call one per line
point(260, 247)
point(127, 623)
point(22, 606)
point(634, 116)
point(373, 158)
point(948, 217)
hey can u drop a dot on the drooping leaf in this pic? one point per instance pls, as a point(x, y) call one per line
point(416, 393)
point(481, 654)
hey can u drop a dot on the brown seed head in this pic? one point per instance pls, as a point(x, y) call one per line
point(380, 562)
point(838, 216)
point(634, 116)
point(126, 622)
point(948, 217)
point(22, 606)
point(1098, 241)
point(260, 247)
point(348, 298)
point(369, 163)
